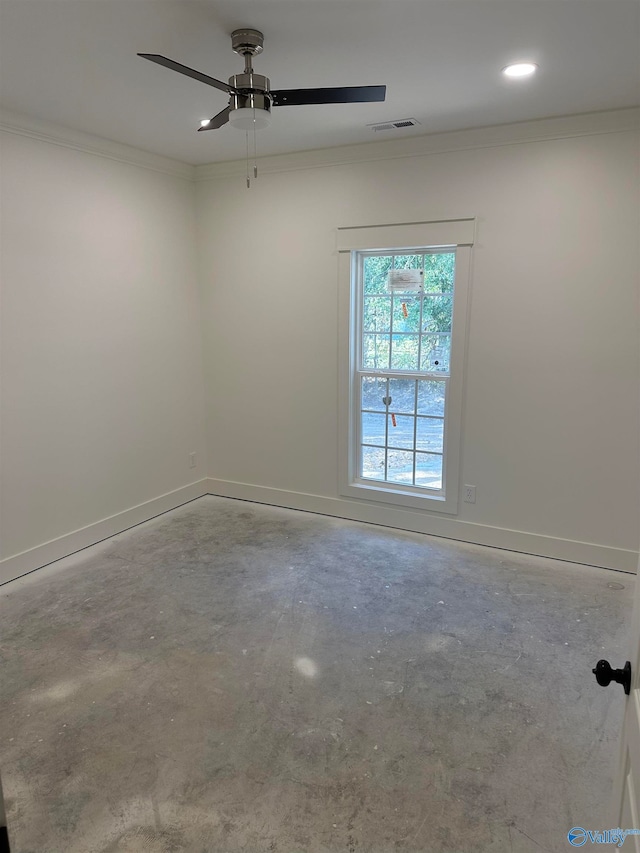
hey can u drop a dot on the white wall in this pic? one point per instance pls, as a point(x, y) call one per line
point(102, 392)
point(102, 385)
point(550, 431)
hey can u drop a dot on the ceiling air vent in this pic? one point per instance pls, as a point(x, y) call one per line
point(394, 125)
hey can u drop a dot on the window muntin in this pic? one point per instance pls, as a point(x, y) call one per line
point(402, 370)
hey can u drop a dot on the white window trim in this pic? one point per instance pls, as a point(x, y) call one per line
point(457, 234)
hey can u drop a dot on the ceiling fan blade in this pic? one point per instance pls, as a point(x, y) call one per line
point(217, 121)
point(337, 95)
point(189, 72)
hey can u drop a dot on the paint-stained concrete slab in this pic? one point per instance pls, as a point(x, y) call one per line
point(238, 677)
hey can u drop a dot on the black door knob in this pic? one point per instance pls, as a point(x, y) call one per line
point(605, 675)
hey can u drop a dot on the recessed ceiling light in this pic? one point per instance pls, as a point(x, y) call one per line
point(204, 122)
point(520, 69)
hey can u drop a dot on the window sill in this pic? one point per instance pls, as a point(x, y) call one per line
point(400, 498)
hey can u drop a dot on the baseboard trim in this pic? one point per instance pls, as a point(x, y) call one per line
point(568, 550)
point(40, 556)
point(618, 559)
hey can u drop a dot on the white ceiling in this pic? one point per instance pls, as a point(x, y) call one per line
point(73, 62)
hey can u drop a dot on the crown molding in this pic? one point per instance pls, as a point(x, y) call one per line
point(22, 125)
point(583, 124)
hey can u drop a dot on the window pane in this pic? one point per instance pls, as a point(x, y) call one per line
point(435, 353)
point(373, 429)
point(429, 470)
point(439, 272)
point(373, 390)
point(375, 352)
point(400, 467)
point(377, 314)
point(407, 305)
point(372, 463)
point(400, 435)
point(375, 273)
point(436, 313)
point(403, 396)
point(429, 434)
point(404, 352)
point(431, 397)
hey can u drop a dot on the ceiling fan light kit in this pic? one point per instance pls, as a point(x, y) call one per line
point(250, 94)
point(250, 118)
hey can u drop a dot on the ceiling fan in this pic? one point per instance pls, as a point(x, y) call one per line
point(251, 97)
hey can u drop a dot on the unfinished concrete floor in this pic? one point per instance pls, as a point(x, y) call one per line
point(236, 677)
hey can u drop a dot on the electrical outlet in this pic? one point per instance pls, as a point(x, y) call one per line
point(192, 460)
point(470, 494)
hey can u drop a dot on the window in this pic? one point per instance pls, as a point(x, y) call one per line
point(403, 368)
point(402, 385)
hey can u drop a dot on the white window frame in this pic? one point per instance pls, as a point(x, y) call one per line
point(453, 235)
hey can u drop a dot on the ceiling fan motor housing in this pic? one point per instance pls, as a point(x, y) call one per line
point(253, 92)
point(250, 82)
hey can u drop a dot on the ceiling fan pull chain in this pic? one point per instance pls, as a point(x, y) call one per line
point(246, 133)
point(255, 147)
